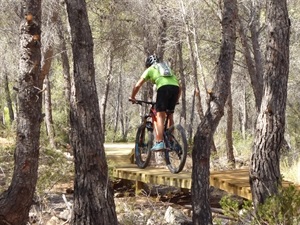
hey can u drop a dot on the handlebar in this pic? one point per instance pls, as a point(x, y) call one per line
point(141, 102)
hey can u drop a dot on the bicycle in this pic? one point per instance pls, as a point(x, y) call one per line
point(175, 151)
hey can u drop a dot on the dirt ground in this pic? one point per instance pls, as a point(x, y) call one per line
point(54, 207)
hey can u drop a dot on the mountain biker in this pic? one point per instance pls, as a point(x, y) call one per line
point(168, 94)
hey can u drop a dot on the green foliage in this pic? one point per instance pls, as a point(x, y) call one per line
point(60, 109)
point(111, 136)
point(290, 168)
point(54, 168)
point(232, 208)
point(282, 208)
point(6, 166)
point(242, 145)
point(6, 116)
point(8, 131)
point(61, 126)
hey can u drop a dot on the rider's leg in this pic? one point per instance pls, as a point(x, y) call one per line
point(155, 128)
point(161, 105)
point(171, 120)
point(160, 118)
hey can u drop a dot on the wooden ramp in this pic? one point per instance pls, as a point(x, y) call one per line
point(232, 181)
point(119, 153)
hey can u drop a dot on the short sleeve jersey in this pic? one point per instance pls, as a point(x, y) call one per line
point(152, 74)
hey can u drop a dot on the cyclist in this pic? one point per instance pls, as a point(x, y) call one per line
point(168, 94)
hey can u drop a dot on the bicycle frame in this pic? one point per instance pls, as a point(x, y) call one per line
point(151, 125)
point(151, 114)
point(175, 149)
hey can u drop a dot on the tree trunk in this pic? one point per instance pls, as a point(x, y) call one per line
point(47, 56)
point(229, 140)
point(253, 68)
point(8, 99)
point(194, 55)
point(64, 60)
point(182, 83)
point(48, 112)
point(264, 171)
point(46, 65)
point(15, 203)
point(257, 52)
point(190, 128)
point(244, 116)
point(118, 105)
point(104, 100)
point(206, 129)
point(193, 62)
point(162, 33)
point(93, 193)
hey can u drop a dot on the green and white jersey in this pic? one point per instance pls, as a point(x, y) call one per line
point(152, 74)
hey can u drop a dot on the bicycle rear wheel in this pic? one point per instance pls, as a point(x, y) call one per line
point(143, 144)
point(176, 151)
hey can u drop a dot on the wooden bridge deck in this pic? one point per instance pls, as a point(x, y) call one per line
point(232, 181)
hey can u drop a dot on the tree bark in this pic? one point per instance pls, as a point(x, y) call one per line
point(229, 139)
point(192, 112)
point(64, 60)
point(182, 83)
point(253, 67)
point(265, 171)
point(118, 105)
point(8, 99)
point(93, 193)
point(194, 55)
point(162, 39)
point(46, 65)
point(193, 58)
point(206, 129)
point(47, 56)
point(244, 112)
point(15, 203)
point(48, 112)
point(108, 79)
point(257, 53)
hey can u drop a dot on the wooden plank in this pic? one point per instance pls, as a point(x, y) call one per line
point(230, 172)
point(244, 192)
point(232, 181)
point(119, 153)
point(231, 188)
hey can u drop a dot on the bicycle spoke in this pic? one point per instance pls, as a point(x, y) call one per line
point(143, 144)
point(177, 150)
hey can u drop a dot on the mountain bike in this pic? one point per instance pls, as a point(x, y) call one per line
point(175, 151)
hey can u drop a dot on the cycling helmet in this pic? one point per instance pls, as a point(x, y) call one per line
point(150, 60)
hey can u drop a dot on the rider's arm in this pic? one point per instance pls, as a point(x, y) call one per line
point(137, 87)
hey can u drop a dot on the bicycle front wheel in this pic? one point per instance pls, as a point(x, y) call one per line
point(176, 151)
point(143, 144)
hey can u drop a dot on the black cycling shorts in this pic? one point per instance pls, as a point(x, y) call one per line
point(166, 98)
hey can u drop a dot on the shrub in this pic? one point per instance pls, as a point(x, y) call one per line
point(280, 209)
point(283, 208)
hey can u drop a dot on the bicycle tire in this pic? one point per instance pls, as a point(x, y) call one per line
point(176, 151)
point(143, 144)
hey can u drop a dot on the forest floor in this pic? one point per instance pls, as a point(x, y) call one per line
point(149, 207)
